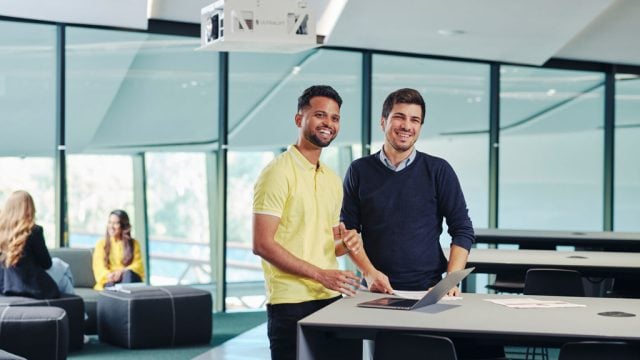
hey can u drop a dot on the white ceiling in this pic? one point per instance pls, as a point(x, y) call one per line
point(517, 31)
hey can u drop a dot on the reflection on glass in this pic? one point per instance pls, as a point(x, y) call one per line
point(551, 149)
point(128, 90)
point(178, 218)
point(627, 152)
point(263, 94)
point(97, 184)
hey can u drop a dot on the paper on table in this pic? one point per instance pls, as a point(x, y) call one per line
point(417, 295)
point(529, 303)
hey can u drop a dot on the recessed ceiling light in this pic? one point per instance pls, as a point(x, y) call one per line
point(451, 32)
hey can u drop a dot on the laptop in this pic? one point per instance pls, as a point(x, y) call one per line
point(433, 296)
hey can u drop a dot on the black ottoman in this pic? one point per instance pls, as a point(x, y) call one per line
point(153, 316)
point(72, 304)
point(34, 332)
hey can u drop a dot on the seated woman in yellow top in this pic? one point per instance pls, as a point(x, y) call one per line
point(116, 258)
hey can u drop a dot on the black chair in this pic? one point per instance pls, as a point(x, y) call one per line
point(513, 281)
point(393, 345)
point(625, 286)
point(592, 350)
point(556, 282)
point(551, 282)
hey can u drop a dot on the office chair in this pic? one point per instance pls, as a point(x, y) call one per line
point(556, 282)
point(513, 281)
point(394, 345)
point(551, 282)
point(592, 350)
point(625, 286)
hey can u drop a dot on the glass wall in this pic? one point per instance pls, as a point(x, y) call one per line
point(178, 218)
point(263, 95)
point(627, 154)
point(551, 149)
point(97, 185)
point(28, 117)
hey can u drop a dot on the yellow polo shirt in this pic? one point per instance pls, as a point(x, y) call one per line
point(307, 200)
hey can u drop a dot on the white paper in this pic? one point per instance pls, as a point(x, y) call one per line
point(529, 303)
point(417, 295)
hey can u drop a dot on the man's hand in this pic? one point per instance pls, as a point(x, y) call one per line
point(346, 282)
point(351, 239)
point(454, 292)
point(378, 282)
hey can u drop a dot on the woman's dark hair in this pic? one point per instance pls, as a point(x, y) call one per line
point(318, 90)
point(403, 96)
point(125, 234)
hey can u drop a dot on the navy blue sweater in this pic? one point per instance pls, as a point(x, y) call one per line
point(399, 215)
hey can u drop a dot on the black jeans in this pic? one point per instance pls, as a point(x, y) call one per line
point(283, 325)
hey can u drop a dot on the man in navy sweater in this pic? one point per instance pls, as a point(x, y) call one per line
point(397, 198)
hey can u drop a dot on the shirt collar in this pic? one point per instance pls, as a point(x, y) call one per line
point(403, 164)
point(303, 162)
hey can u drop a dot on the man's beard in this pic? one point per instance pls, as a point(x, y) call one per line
point(315, 140)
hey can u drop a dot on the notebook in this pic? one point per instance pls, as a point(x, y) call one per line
point(433, 296)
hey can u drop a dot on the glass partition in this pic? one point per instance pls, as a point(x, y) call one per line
point(97, 185)
point(551, 149)
point(626, 212)
point(28, 117)
point(178, 218)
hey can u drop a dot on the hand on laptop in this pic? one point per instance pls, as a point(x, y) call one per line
point(378, 282)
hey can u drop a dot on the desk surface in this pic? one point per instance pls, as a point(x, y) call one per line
point(589, 263)
point(475, 317)
point(606, 240)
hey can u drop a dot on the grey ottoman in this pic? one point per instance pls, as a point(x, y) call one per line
point(71, 304)
point(154, 316)
point(34, 332)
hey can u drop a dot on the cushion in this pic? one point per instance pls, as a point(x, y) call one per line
point(80, 261)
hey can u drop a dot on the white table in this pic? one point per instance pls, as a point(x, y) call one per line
point(332, 332)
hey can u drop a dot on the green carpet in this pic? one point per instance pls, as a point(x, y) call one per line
point(225, 327)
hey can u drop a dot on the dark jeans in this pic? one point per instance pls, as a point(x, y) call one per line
point(128, 276)
point(283, 325)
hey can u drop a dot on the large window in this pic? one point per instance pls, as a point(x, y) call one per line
point(97, 185)
point(178, 218)
point(28, 117)
point(263, 93)
point(627, 154)
point(551, 149)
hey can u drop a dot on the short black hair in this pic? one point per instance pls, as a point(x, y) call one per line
point(318, 90)
point(403, 96)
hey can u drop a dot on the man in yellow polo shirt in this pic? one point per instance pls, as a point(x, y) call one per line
point(296, 229)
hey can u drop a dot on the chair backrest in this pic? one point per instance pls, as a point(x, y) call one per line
point(80, 262)
point(553, 282)
point(395, 345)
point(591, 350)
